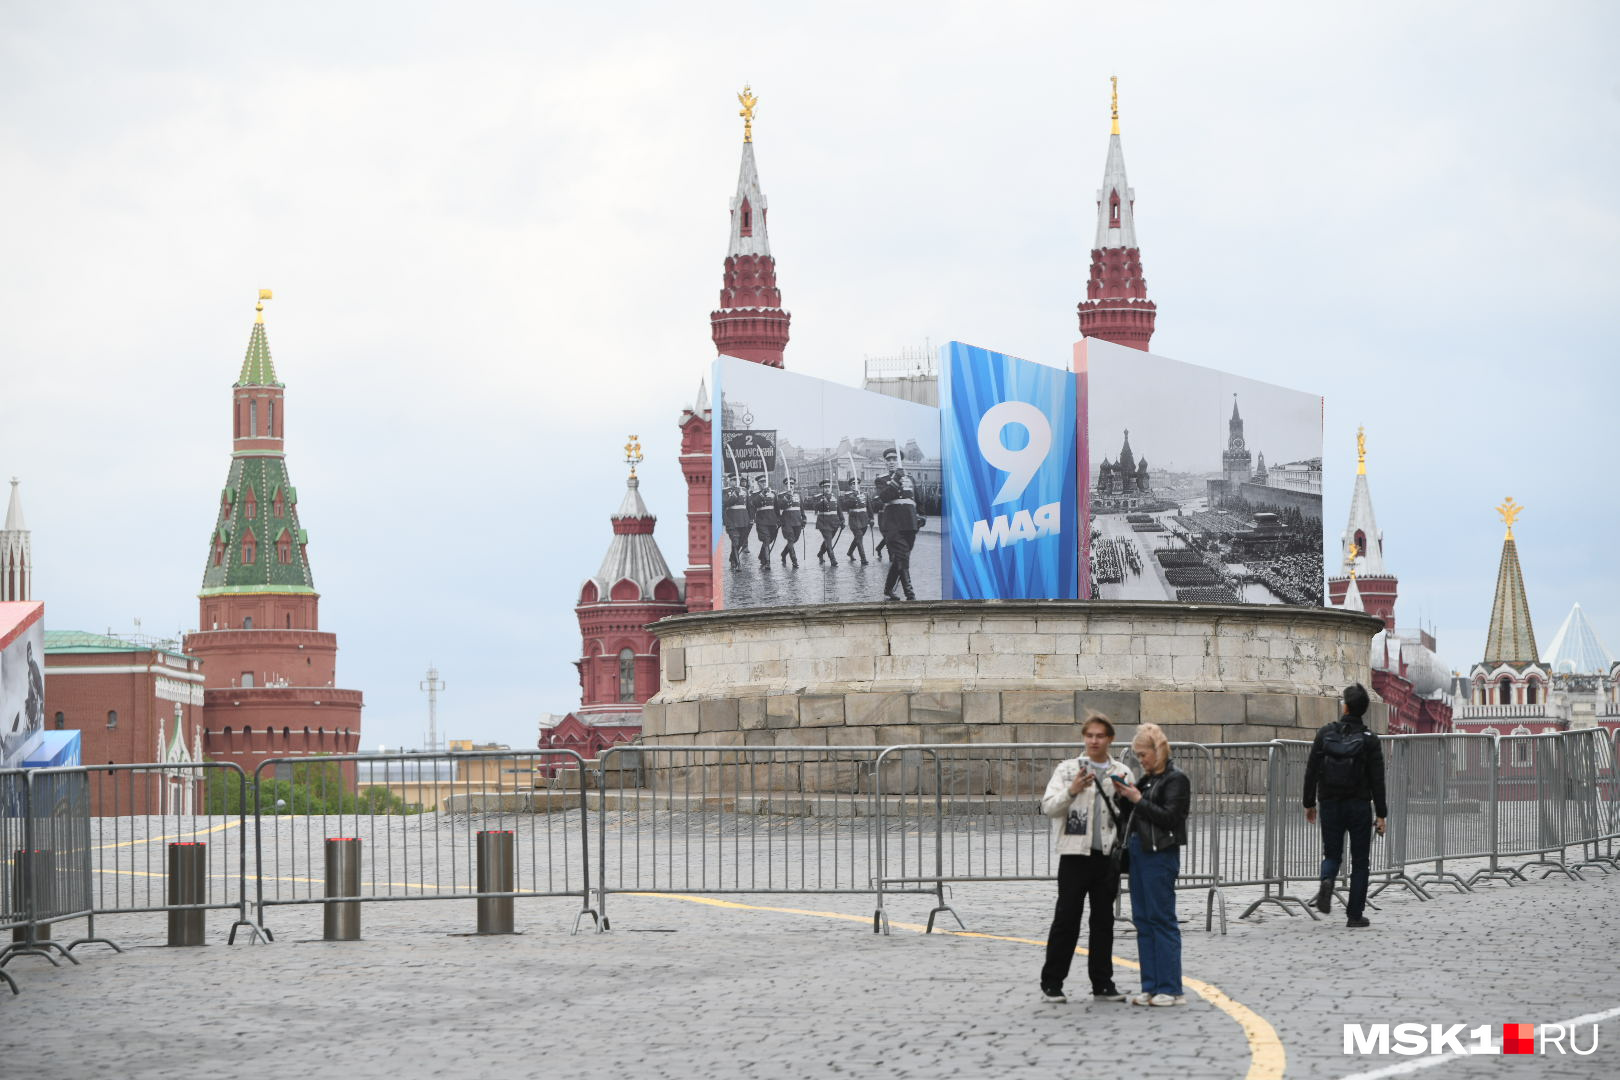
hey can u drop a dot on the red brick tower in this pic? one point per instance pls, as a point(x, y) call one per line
point(750, 324)
point(270, 673)
point(1116, 307)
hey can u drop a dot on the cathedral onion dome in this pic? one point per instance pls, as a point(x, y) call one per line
point(633, 569)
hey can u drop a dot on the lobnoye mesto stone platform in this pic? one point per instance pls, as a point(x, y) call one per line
point(1001, 671)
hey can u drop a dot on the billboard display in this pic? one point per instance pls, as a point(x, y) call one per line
point(823, 493)
point(22, 679)
point(1202, 487)
point(1011, 481)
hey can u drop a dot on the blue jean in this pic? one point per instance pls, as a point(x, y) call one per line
point(1353, 816)
point(1153, 910)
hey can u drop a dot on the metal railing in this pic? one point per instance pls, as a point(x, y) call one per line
point(424, 848)
point(735, 819)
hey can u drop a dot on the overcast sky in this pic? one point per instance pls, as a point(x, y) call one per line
point(495, 233)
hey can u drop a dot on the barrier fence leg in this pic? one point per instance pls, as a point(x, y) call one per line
point(33, 872)
point(187, 884)
point(495, 875)
point(342, 921)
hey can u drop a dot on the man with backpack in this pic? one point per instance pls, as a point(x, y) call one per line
point(1346, 768)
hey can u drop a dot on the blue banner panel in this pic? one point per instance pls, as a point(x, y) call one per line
point(1010, 477)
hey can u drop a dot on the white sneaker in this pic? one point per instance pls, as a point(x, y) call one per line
point(1168, 999)
point(1142, 998)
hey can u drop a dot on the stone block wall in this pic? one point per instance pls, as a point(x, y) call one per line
point(988, 672)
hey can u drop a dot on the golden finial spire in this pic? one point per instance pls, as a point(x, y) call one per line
point(1510, 512)
point(632, 454)
point(1361, 451)
point(264, 294)
point(1115, 80)
point(749, 100)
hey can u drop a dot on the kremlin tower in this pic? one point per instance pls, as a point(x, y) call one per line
point(750, 324)
point(16, 553)
point(1407, 675)
point(1363, 545)
point(1511, 672)
point(1116, 307)
point(270, 673)
point(618, 667)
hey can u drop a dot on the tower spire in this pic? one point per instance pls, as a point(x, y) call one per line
point(750, 322)
point(1116, 307)
point(1362, 543)
point(16, 552)
point(1512, 638)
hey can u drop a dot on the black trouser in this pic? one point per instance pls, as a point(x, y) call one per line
point(767, 540)
point(790, 536)
point(857, 546)
point(828, 537)
point(1081, 877)
point(900, 542)
point(1353, 816)
point(739, 543)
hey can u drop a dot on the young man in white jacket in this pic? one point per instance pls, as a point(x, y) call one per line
point(1084, 830)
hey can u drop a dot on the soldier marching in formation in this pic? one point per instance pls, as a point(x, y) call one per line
point(853, 503)
point(790, 512)
point(762, 505)
point(899, 521)
point(734, 514)
point(829, 522)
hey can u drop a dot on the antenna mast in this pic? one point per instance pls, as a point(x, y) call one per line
point(432, 684)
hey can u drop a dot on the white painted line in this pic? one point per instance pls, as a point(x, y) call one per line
point(1406, 1067)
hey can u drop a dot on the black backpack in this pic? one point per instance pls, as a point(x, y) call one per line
point(1342, 748)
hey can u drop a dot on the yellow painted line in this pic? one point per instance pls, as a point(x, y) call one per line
point(1267, 1058)
point(162, 839)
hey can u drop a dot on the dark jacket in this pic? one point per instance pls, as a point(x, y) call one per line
point(1159, 818)
point(1371, 785)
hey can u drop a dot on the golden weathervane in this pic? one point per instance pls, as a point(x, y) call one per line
point(1361, 451)
point(1510, 512)
point(632, 453)
point(1115, 80)
point(264, 294)
point(748, 100)
point(1351, 561)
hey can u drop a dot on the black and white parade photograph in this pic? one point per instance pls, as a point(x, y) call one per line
point(824, 494)
point(1204, 487)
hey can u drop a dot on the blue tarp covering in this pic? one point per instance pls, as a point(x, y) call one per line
point(53, 749)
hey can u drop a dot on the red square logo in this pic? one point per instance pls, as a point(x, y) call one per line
point(1518, 1038)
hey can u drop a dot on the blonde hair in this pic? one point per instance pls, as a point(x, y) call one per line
point(1153, 735)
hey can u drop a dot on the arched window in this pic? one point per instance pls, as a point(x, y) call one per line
point(1530, 691)
point(747, 228)
point(1504, 691)
point(112, 718)
point(270, 426)
point(248, 549)
point(1113, 209)
point(247, 622)
point(60, 720)
point(627, 675)
point(253, 419)
point(1361, 542)
point(247, 678)
point(1522, 754)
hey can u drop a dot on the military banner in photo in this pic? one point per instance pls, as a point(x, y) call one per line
point(22, 679)
point(822, 493)
point(1230, 508)
point(1011, 477)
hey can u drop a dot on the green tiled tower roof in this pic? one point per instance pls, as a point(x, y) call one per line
point(1511, 639)
point(257, 368)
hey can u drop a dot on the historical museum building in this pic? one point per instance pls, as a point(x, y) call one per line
point(270, 672)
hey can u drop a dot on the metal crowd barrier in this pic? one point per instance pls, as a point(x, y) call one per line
point(139, 811)
point(14, 912)
point(422, 847)
point(49, 869)
point(955, 814)
point(735, 819)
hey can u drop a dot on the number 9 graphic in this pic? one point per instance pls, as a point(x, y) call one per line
point(1019, 465)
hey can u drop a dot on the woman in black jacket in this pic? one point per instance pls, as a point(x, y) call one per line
point(1162, 800)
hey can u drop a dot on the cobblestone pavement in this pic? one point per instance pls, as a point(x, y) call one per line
point(798, 986)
